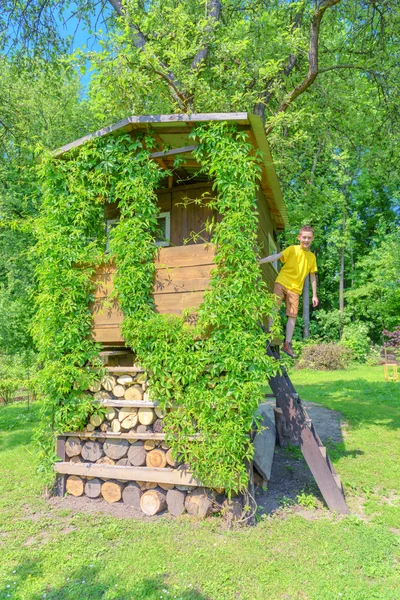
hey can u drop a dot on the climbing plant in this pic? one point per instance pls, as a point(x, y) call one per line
point(212, 367)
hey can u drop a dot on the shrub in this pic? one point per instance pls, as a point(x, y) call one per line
point(355, 337)
point(324, 357)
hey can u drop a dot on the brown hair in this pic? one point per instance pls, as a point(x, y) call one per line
point(307, 228)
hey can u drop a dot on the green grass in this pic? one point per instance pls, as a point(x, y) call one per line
point(56, 554)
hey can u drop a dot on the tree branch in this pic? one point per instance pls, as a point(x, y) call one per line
point(213, 12)
point(312, 59)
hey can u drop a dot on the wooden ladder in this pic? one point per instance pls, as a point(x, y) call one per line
point(302, 433)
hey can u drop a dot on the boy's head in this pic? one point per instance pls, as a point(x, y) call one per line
point(306, 236)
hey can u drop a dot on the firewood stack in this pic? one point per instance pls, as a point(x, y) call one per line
point(122, 456)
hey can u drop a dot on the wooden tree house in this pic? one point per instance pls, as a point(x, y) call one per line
point(183, 265)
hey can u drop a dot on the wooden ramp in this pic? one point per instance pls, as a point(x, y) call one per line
point(302, 433)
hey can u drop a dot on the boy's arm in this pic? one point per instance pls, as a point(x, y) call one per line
point(269, 259)
point(313, 280)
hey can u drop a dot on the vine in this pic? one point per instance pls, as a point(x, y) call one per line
point(214, 372)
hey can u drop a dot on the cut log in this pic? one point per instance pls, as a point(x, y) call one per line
point(165, 446)
point(75, 485)
point(176, 502)
point(125, 412)
point(142, 377)
point(160, 412)
point(153, 502)
point(134, 392)
point(184, 488)
point(95, 386)
point(147, 485)
point(137, 454)
point(142, 429)
point(76, 459)
point(115, 426)
point(73, 446)
point(170, 460)
point(93, 488)
point(232, 509)
point(146, 416)
point(158, 426)
point(119, 391)
point(96, 420)
point(123, 462)
point(166, 486)
point(150, 445)
point(156, 459)
point(131, 495)
point(112, 491)
point(105, 460)
point(104, 427)
point(116, 449)
point(92, 451)
point(198, 504)
point(102, 396)
point(130, 422)
point(89, 427)
point(108, 382)
point(111, 413)
point(125, 380)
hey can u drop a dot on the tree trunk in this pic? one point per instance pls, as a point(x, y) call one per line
point(341, 282)
point(306, 308)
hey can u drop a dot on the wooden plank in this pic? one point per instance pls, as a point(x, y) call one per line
point(108, 336)
point(173, 152)
point(177, 476)
point(182, 279)
point(134, 369)
point(183, 256)
point(129, 403)
point(109, 435)
point(60, 485)
point(175, 303)
point(185, 187)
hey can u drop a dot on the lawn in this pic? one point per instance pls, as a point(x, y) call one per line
point(54, 553)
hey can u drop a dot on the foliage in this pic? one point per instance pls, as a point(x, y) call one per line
point(306, 500)
point(70, 234)
point(324, 357)
point(16, 373)
point(392, 337)
point(214, 373)
point(355, 338)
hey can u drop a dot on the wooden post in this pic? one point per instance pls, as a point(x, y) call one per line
point(60, 483)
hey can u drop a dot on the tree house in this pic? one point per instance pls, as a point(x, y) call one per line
point(185, 256)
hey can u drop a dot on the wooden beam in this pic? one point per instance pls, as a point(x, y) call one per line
point(172, 152)
point(179, 476)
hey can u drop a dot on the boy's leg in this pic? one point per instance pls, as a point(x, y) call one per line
point(292, 307)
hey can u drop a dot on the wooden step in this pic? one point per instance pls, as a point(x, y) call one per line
point(179, 476)
point(131, 404)
point(322, 449)
point(134, 369)
point(110, 435)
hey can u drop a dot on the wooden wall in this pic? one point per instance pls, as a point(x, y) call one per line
point(265, 229)
point(182, 275)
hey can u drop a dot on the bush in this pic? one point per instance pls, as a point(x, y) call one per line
point(355, 337)
point(324, 357)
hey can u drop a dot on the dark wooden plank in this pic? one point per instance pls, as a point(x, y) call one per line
point(173, 152)
point(60, 484)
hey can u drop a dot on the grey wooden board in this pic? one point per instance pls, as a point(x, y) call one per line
point(264, 441)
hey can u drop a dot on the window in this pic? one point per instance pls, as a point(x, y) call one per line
point(272, 249)
point(110, 224)
point(164, 229)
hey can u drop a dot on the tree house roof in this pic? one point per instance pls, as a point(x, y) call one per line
point(173, 131)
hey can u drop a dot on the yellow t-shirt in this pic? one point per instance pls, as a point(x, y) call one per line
point(297, 264)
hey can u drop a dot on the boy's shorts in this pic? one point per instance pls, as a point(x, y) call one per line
point(291, 299)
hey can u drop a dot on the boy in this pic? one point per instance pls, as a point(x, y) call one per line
point(298, 262)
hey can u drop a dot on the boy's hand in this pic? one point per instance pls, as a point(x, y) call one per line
point(315, 301)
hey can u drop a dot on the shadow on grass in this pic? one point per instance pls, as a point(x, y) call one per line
point(361, 402)
point(90, 583)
